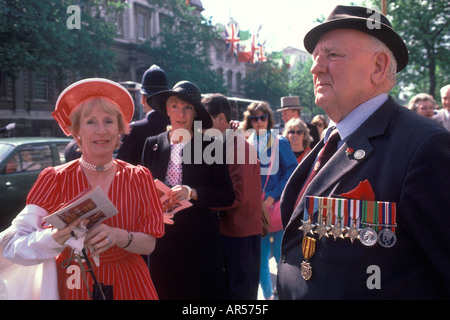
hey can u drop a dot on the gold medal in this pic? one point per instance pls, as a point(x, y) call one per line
point(308, 250)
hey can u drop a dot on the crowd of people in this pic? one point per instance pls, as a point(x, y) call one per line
point(370, 166)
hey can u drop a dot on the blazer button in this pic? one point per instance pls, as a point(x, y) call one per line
point(283, 258)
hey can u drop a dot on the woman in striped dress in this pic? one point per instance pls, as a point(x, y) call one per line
point(96, 122)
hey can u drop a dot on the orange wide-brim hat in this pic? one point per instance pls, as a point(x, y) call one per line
point(84, 89)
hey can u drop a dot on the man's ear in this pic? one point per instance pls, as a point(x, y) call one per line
point(380, 71)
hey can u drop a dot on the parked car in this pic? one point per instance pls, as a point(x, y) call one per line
point(21, 161)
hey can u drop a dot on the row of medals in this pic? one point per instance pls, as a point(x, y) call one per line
point(368, 236)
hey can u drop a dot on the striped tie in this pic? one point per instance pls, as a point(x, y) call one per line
point(325, 154)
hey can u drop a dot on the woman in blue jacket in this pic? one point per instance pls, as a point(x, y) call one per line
point(277, 163)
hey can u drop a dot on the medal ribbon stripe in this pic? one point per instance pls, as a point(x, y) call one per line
point(320, 212)
point(393, 211)
point(326, 211)
point(308, 247)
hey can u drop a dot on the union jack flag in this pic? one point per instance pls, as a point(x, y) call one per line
point(232, 38)
point(261, 52)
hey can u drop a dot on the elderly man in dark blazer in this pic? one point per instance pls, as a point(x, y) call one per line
point(388, 159)
point(154, 80)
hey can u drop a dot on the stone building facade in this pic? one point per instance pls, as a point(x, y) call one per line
point(29, 99)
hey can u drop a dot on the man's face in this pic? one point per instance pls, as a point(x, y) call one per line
point(341, 70)
point(445, 99)
point(288, 114)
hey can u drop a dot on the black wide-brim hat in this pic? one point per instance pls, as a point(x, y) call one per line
point(363, 19)
point(189, 92)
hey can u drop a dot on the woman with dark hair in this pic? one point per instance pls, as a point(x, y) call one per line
point(188, 262)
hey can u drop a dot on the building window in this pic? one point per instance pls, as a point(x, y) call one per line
point(35, 86)
point(143, 24)
point(238, 82)
point(40, 87)
point(6, 87)
point(230, 79)
point(120, 25)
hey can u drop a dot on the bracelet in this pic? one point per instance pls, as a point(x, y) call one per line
point(130, 238)
point(189, 191)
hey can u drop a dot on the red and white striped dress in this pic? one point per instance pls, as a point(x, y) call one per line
point(134, 194)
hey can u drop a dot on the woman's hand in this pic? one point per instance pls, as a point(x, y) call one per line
point(268, 201)
point(62, 235)
point(101, 238)
point(179, 193)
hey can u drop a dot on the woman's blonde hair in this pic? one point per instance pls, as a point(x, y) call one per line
point(85, 108)
point(296, 122)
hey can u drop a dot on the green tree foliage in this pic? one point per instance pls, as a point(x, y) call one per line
point(268, 81)
point(424, 25)
point(182, 46)
point(302, 85)
point(34, 36)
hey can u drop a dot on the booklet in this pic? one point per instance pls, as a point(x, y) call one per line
point(92, 204)
point(170, 207)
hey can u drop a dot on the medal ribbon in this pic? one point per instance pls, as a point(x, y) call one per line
point(376, 214)
point(393, 215)
point(308, 247)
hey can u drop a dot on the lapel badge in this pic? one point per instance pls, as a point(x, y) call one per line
point(359, 154)
point(155, 147)
point(349, 151)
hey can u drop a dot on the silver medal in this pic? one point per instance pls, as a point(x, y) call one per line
point(387, 238)
point(307, 227)
point(368, 236)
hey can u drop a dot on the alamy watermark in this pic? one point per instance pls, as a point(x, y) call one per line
point(374, 280)
point(74, 20)
point(224, 143)
point(374, 21)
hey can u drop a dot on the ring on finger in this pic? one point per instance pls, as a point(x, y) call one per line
point(110, 240)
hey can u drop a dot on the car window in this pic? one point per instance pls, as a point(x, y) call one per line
point(61, 147)
point(5, 150)
point(35, 158)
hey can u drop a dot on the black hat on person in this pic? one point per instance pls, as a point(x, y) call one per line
point(189, 92)
point(153, 81)
point(363, 19)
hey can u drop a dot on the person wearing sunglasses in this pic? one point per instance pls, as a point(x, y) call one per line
point(297, 133)
point(277, 163)
point(321, 122)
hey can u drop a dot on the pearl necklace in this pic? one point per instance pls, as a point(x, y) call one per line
point(93, 167)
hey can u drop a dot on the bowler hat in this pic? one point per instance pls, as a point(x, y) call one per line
point(363, 19)
point(76, 93)
point(189, 92)
point(153, 81)
point(291, 102)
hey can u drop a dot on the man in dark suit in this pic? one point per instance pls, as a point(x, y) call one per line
point(387, 154)
point(154, 80)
